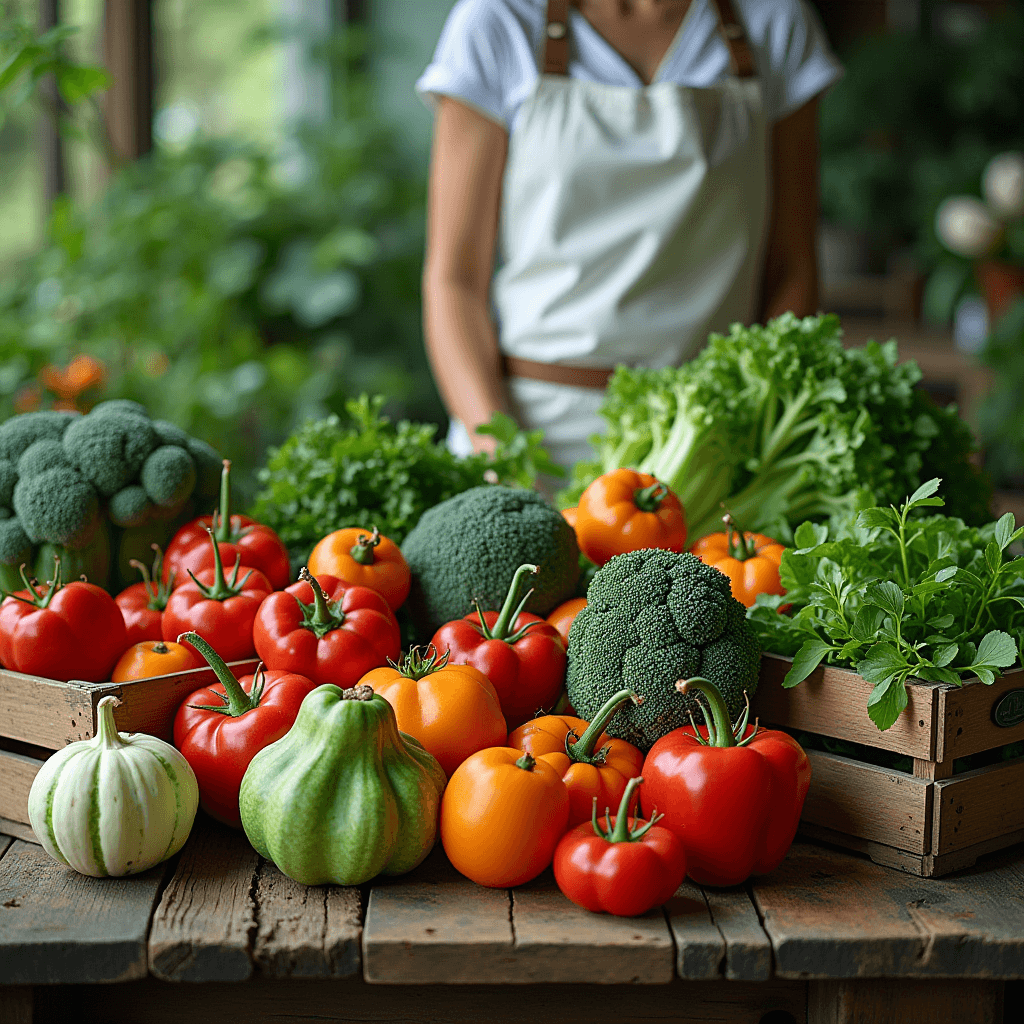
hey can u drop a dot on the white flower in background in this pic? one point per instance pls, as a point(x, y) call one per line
point(966, 226)
point(1003, 185)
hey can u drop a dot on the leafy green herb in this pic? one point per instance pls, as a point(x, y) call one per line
point(372, 472)
point(896, 595)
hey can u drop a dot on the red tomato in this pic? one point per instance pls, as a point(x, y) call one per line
point(142, 604)
point(221, 609)
point(222, 727)
point(63, 631)
point(258, 546)
point(522, 654)
point(326, 629)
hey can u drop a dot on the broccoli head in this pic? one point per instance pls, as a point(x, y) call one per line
point(119, 405)
point(109, 449)
point(58, 505)
point(19, 432)
point(130, 506)
point(8, 478)
point(168, 475)
point(15, 547)
point(654, 617)
point(469, 547)
point(40, 456)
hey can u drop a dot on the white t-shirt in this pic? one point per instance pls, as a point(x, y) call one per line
point(490, 50)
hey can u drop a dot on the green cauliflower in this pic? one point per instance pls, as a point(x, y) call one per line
point(654, 617)
point(469, 547)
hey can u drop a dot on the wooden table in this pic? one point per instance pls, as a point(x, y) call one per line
point(219, 935)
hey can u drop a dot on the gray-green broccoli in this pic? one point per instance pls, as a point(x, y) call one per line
point(654, 617)
point(468, 548)
point(83, 486)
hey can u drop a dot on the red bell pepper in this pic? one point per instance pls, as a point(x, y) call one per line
point(222, 609)
point(523, 655)
point(142, 604)
point(732, 795)
point(222, 727)
point(258, 546)
point(63, 631)
point(620, 865)
point(327, 629)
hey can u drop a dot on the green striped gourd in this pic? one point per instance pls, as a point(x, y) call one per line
point(116, 804)
point(343, 796)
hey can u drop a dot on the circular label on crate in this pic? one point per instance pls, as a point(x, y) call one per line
point(1008, 711)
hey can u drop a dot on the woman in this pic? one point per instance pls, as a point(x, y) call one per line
point(646, 171)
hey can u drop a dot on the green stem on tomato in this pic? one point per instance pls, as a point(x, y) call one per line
point(363, 550)
point(720, 735)
point(511, 609)
point(222, 518)
point(526, 762)
point(649, 499)
point(324, 616)
point(582, 751)
point(621, 832)
point(237, 701)
point(221, 588)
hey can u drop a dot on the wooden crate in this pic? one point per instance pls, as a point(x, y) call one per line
point(39, 716)
point(929, 822)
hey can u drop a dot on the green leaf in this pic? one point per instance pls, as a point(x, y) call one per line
point(886, 595)
point(942, 622)
point(997, 648)
point(501, 426)
point(874, 518)
point(939, 675)
point(810, 535)
point(944, 655)
point(886, 702)
point(993, 556)
point(926, 490)
point(1004, 530)
point(946, 574)
point(986, 675)
point(867, 623)
point(881, 662)
point(805, 661)
point(77, 83)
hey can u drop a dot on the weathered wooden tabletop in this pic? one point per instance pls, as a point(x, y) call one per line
point(828, 937)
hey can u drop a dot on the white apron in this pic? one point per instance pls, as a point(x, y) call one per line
point(632, 225)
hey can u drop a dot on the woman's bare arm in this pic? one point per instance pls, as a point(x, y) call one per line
point(467, 165)
point(790, 279)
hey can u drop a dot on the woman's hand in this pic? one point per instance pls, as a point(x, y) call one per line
point(790, 278)
point(467, 165)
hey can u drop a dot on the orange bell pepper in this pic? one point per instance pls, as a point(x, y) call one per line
point(625, 511)
point(502, 816)
point(750, 560)
point(453, 710)
point(592, 765)
point(366, 560)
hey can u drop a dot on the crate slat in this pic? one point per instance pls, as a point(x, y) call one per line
point(16, 775)
point(833, 702)
point(966, 725)
point(979, 805)
point(44, 712)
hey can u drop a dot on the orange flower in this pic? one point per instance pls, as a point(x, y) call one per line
point(82, 373)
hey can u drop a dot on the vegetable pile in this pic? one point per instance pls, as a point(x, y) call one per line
point(781, 423)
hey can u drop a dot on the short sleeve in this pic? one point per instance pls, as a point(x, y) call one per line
point(797, 61)
point(484, 58)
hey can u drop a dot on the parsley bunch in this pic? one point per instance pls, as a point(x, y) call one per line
point(894, 596)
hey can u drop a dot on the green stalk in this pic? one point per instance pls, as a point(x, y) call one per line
point(237, 702)
point(38, 600)
point(221, 588)
point(582, 751)
point(622, 833)
point(159, 591)
point(526, 762)
point(107, 734)
point(649, 499)
point(322, 616)
point(363, 550)
point(511, 609)
point(720, 735)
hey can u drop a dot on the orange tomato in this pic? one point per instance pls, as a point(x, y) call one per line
point(365, 559)
point(569, 514)
point(625, 511)
point(155, 658)
point(502, 816)
point(562, 617)
point(595, 766)
point(453, 710)
point(750, 560)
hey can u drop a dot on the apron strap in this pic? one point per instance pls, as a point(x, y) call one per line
point(736, 39)
point(556, 42)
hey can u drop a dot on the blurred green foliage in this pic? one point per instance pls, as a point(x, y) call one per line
point(1001, 412)
point(238, 290)
point(915, 119)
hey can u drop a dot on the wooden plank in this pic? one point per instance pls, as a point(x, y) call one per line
point(887, 856)
point(700, 946)
point(16, 775)
point(149, 705)
point(5, 841)
point(434, 926)
point(16, 1004)
point(17, 830)
point(306, 931)
point(44, 712)
point(748, 951)
point(944, 863)
point(966, 723)
point(872, 803)
point(203, 926)
point(932, 770)
point(57, 926)
point(906, 1000)
point(979, 805)
point(558, 942)
point(273, 1001)
point(831, 915)
point(834, 702)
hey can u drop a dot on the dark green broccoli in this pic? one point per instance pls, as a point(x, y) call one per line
point(171, 433)
point(654, 617)
point(168, 475)
point(17, 433)
point(119, 406)
point(470, 546)
point(208, 467)
point(8, 478)
point(110, 449)
point(58, 505)
point(130, 506)
point(15, 547)
point(41, 456)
